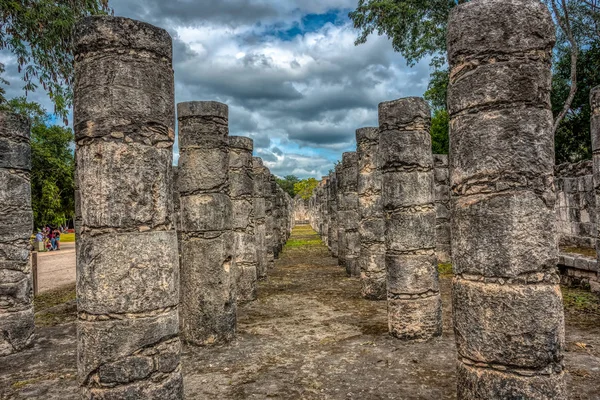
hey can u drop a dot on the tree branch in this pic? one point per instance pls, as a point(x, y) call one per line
point(565, 25)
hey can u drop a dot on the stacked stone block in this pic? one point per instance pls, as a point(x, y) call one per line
point(241, 190)
point(16, 224)
point(208, 271)
point(127, 266)
point(442, 208)
point(259, 176)
point(372, 224)
point(270, 212)
point(332, 214)
point(414, 303)
point(349, 215)
point(595, 132)
point(508, 313)
point(341, 235)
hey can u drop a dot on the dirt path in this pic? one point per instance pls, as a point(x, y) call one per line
point(56, 268)
point(308, 336)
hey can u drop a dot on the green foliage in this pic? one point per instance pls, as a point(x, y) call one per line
point(52, 166)
point(440, 141)
point(417, 28)
point(572, 140)
point(305, 187)
point(39, 34)
point(287, 184)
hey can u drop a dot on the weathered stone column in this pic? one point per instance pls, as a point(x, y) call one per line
point(241, 190)
point(16, 224)
point(371, 260)
point(332, 211)
point(275, 215)
point(442, 208)
point(414, 303)
point(508, 313)
point(341, 227)
point(269, 219)
point(127, 264)
point(208, 296)
point(595, 132)
point(350, 213)
point(258, 172)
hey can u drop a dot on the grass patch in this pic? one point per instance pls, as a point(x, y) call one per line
point(67, 238)
point(55, 307)
point(580, 300)
point(586, 251)
point(445, 269)
point(303, 242)
point(54, 297)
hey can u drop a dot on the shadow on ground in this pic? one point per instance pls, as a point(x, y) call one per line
point(308, 336)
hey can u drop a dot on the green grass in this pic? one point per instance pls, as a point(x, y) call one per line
point(53, 298)
point(586, 251)
point(580, 300)
point(303, 242)
point(67, 238)
point(445, 269)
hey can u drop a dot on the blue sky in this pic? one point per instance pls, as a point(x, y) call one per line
point(288, 69)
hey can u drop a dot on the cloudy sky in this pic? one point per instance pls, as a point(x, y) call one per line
point(288, 69)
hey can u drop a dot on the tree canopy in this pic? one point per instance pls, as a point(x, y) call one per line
point(52, 165)
point(417, 29)
point(39, 34)
point(287, 183)
point(306, 187)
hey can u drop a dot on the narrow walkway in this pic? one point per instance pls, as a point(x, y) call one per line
point(308, 336)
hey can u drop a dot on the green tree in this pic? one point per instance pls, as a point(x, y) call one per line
point(52, 165)
point(305, 187)
point(440, 141)
point(39, 34)
point(287, 183)
point(573, 141)
point(417, 29)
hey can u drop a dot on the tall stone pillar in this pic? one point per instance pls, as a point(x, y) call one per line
point(508, 313)
point(595, 132)
point(270, 219)
point(371, 260)
point(258, 172)
point(242, 199)
point(442, 208)
point(332, 211)
point(340, 215)
point(350, 213)
point(414, 303)
point(127, 264)
point(16, 224)
point(208, 271)
point(275, 214)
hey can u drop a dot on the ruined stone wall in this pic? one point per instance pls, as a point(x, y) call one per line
point(16, 225)
point(300, 210)
point(576, 205)
point(349, 215)
point(127, 264)
point(332, 214)
point(259, 173)
point(595, 133)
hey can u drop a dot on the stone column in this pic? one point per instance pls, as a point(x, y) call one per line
point(442, 208)
point(414, 303)
point(127, 264)
point(275, 215)
point(242, 199)
point(208, 296)
point(323, 211)
point(508, 313)
point(340, 215)
point(595, 132)
point(258, 172)
point(350, 214)
point(16, 224)
point(372, 224)
point(332, 211)
point(270, 219)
